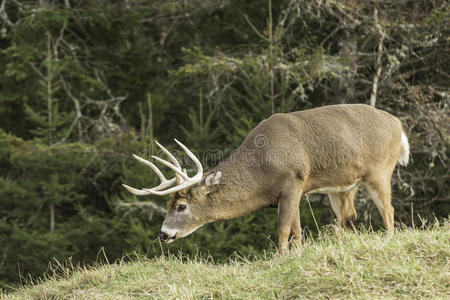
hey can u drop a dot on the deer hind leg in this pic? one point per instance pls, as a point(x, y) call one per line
point(343, 206)
point(287, 217)
point(379, 189)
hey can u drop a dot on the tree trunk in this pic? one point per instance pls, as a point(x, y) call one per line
point(378, 65)
point(52, 217)
point(343, 87)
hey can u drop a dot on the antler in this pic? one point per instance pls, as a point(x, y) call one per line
point(181, 178)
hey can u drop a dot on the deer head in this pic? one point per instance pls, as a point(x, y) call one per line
point(186, 208)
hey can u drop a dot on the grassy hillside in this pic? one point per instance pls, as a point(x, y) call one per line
point(410, 264)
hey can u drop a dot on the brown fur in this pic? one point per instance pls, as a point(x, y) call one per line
point(288, 155)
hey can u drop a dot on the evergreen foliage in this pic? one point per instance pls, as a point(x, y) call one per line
point(84, 84)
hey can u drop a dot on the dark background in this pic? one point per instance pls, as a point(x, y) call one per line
point(84, 84)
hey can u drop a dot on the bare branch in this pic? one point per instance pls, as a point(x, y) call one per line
point(150, 204)
point(4, 15)
point(79, 115)
point(373, 95)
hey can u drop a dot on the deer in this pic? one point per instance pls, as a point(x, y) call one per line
point(327, 150)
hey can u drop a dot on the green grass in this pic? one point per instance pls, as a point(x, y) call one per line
point(412, 264)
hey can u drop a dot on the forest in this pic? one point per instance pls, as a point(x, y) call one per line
point(85, 84)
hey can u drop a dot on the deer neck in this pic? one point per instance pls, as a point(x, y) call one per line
point(239, 192)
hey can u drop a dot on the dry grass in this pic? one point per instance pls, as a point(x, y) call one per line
point(412, 264)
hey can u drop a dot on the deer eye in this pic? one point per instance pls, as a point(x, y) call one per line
point(181, 207)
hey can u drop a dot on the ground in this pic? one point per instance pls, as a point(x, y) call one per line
point(361, 264)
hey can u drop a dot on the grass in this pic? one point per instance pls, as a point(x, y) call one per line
point(413, 264)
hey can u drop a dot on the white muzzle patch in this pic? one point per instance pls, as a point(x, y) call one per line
point(169, 231)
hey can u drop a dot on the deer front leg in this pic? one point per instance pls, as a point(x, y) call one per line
point(296, 231)
point(287, 215)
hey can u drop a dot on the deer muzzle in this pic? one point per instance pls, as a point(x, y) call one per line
point(164, 237)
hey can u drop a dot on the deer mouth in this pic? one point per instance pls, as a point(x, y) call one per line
point(170, 239)
point(165, 238)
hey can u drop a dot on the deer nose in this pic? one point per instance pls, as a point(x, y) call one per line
point(163, 236)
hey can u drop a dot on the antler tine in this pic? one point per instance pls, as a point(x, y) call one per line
point(151, 165)
point(164, 182)
point(169, 155)
point(144, 192)
point(164, 185)
point(171, 190)
point(171, 166)
point(136, 191)
point(188, 181)
point(191, 155)
point(179, 179)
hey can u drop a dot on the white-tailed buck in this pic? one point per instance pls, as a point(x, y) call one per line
point(328, 150)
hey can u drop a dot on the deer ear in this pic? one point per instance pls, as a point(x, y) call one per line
point(213, 178)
